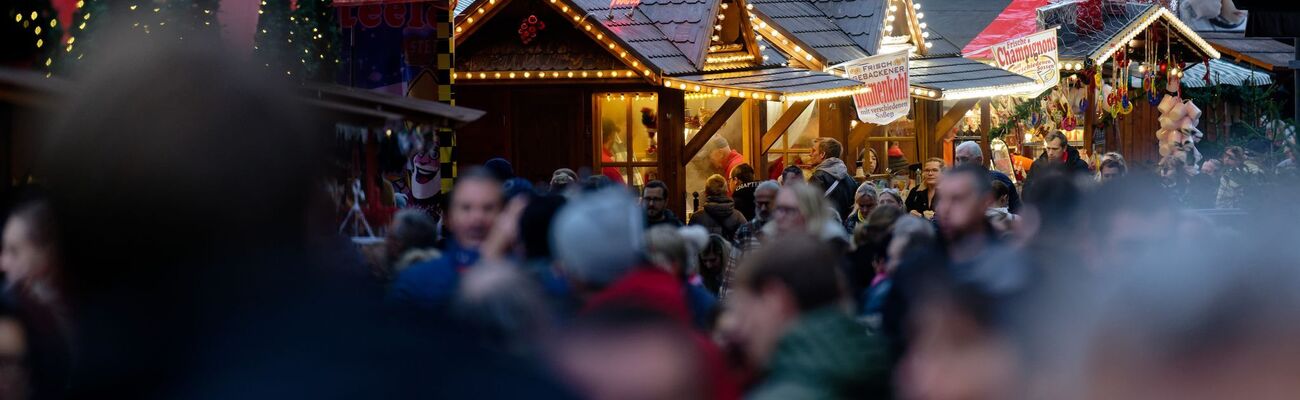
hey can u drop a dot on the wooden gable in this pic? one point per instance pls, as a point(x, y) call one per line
point(732, 41)
point(530, 36)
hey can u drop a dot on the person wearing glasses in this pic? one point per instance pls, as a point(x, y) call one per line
point(748, 236)
point(801, 209)
point(654, 198)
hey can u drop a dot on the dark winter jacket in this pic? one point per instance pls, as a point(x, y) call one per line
point(833, 173)
point(1073, 165)
point(719, 217)
point(431, 285)
point(668, 218)
point(1013, 199)
point(827, 355)
point(744, 198)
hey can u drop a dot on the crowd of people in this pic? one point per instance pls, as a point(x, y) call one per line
point(156, 274)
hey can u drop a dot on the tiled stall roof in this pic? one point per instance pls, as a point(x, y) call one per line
point(685, 23)
point(644, 34)
point(961, 74)
point(861, 20)
point(808, 23)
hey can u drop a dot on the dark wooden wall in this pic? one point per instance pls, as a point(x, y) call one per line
point(538, 128)
point(1134, 135)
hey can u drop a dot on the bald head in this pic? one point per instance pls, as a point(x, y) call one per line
point(968, 153)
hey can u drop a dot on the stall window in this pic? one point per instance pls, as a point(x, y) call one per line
point(627, 146)
point(793, 147)
point(896, 152)
point(699, 109)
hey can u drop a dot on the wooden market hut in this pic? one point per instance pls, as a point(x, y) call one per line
point(642, 86)
point(1127, 29)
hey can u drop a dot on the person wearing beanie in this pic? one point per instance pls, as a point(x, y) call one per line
point(500, 169)
point(562, 179)
point(598, 238)
point(897, 161)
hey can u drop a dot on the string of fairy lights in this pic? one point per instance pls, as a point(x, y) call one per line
point(305, 33)
point(45, 28)
point(906, 9)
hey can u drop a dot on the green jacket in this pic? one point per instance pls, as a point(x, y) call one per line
point(827, 355)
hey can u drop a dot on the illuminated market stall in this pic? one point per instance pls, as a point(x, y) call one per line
point(636, 90)
point(1124, 62)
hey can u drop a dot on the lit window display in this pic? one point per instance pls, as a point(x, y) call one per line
point(627, 128)
point(713, 159)
point(794, 146)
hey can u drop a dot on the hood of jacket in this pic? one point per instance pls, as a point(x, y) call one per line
point(719, 207)
point(835, 167)
point(829, 353)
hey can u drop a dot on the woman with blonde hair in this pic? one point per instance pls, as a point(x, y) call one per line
point(801, 209)
point(920, 201)
point(864, 200)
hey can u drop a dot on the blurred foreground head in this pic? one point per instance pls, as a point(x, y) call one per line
point(182, 184)
point(171, 153)
point(1212, 322)
point(597, 238)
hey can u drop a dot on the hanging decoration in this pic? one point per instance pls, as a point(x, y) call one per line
point(529, 27)
point(650, 121)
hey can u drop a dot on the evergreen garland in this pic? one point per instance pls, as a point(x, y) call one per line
point(1021, 113)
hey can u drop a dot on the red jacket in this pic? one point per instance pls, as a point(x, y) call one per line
point(656, 289)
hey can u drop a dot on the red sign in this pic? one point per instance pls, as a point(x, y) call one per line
point(395, 15)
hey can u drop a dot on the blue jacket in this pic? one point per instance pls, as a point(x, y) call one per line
point(432, 284)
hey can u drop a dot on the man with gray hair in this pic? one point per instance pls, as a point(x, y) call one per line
point(722, 157)
point(764, 197)
point(598, 238)
point(969, 153)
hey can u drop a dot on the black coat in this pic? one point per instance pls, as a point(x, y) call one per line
point(744, 198)
point(1073, 165)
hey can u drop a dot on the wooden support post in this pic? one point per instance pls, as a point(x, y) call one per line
point(924, 117)
point(672, 133)
point(1090, 119)
point(833, 118)
point(711, 127)
point(946, 123)
point(986, 124)
point(782, 124)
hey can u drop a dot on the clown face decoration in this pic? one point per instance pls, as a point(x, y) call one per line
point(425, 164)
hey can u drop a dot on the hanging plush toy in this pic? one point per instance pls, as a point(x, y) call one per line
point(649, 120)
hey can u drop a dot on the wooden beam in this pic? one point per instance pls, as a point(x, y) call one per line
point(711, 127)
point(953, 116)
point(1090, 119)
point(986, 125)
point(671, 124)
point(858, 139)
point(783, 123)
